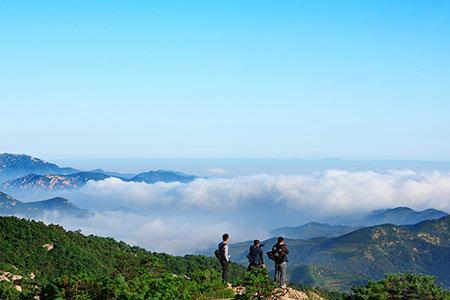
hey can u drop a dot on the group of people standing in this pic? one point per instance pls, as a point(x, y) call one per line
point(279, 254)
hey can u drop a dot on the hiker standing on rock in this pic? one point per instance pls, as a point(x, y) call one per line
point(255, 256)
point(279, 256)
point(223, 255)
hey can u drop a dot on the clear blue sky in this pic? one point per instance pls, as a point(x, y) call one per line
point(279, 79)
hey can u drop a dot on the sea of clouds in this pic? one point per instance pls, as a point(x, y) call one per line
point(184, 218)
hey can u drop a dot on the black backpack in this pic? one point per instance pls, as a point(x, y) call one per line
point(219, 252)
point(274, 255)
point(270, 255)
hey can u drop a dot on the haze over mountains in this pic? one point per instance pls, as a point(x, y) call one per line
point(397, 216)
point(23, 173)
point(312, 230)
point(345, 224)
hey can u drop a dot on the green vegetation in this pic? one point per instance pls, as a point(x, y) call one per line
point(401, 286)
point(257, 285)
point(90, 267)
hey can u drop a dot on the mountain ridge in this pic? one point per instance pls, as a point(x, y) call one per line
point(398, 216)
point(28, 174)
point(18, 165)
point(9, 206)
point(312, 230)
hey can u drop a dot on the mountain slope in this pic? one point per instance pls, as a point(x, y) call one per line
point(369, 253)
point(163, 176)
point(51, 182)
point(47, 262)
point(17, 165)
point(10, 206)
point(71, 253)
point(312, 230)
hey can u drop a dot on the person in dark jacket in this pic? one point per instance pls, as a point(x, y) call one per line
point(280, 252)
point(255, 256)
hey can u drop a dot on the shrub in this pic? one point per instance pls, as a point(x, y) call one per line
point(257, 285)
point(401, 286)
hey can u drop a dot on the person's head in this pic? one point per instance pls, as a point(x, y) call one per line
point(225, 237)
point(280, 240)
point(256, 243)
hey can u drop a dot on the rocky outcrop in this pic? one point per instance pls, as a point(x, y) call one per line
point(49, 246)
point(284, 294)
point(14, 278)
point(292, 294)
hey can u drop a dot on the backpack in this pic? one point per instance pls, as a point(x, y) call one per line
point(274, 255)
point(219, 252)
point(271, 255)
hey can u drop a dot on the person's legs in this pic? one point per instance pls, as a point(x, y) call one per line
point(225, 271)
point(283, 274)
point(277, 273)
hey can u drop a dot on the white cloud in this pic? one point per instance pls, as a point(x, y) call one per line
point(161, 234)
point(183, 218)
point(326, 193)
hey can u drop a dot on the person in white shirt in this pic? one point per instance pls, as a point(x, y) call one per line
point(224, 256)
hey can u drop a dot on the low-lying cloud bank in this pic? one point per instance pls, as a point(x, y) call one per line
point(168, 235)
point(325, 193)
point(185, 218)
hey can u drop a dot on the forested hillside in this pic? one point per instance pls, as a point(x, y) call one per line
point(39, 261)
point(59, 262)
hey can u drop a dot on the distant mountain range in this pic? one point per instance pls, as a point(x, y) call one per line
point(114, 174)
point(367, 253)
point(10, 206)
point(17, 165)
point(312, 230)
point(24, 173)
point(163, 176)
point(397, 216)
point(51, 182)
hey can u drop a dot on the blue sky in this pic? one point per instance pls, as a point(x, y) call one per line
point(217, 79)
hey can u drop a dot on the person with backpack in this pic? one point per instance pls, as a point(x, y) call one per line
point(255, 256)
point(223, 256)
point(279, 255)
